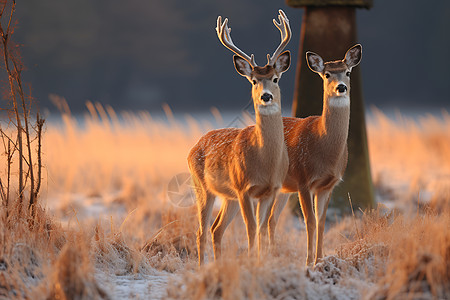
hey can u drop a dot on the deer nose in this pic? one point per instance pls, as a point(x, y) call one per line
point(341, 88)
point(266, 97)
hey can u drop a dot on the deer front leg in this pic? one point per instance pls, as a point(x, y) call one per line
point(227, 212)
point(249, 219)
point(306, 204)
point(321, 204)
point(277, 208)
point(263, 210)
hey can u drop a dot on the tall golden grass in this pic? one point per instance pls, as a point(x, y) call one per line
point(119, 166)
point(410, 159)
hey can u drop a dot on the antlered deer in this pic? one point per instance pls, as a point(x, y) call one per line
point(317, 149)
point(244, 166)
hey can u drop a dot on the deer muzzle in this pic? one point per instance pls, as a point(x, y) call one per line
point(266, 97)
point(341, 88)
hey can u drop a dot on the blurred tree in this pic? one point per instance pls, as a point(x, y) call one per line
point(329, 29)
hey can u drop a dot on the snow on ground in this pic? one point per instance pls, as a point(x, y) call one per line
point(137, 286)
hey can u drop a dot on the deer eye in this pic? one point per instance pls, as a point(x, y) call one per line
point(275, 80)
point(254, 82)
point(327, 75)
point(348, 74)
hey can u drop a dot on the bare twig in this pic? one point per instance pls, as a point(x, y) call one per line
point(3, 8)
point(40, 125)
point(10, 154)
point(2, 193)
point(16, 147)
point(30, 172)
point(353, 214)
point(5, 40)
point(20, 118)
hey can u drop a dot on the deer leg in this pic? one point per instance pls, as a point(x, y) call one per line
point(321, 204)
point(227, 212)
point(205, 202)
point(263, 209)
point(277, 208)
point(306, 204)
point(249, 219)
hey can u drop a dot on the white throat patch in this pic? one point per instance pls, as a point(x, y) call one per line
point(269, 109)
point(339, 101)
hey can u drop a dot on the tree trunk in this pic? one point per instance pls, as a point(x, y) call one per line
point(330, 32)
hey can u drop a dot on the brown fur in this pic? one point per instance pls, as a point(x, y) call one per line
point(335, 66)
point(317, 150)
point(245, 164)
point(266, 71)
point(242, 164)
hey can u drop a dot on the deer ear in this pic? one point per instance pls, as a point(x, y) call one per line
point(283, 62)
point(353, 56)
point(242, 66)
point(315, 62)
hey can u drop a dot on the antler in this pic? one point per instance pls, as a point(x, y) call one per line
point(223, 32)
point(285, 30)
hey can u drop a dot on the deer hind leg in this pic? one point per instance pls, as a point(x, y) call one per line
point(306, 204)
point(263, 210)
point(277, 208)
point(205, 203)
point(227, 212)
point(321, 204)
point(249, 219)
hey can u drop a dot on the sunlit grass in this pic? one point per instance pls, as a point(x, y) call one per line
point(410, 158)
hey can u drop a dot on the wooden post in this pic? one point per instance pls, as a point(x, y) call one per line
point(329, 29)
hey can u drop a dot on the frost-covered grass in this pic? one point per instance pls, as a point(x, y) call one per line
point(109, 229)
point(410, 160)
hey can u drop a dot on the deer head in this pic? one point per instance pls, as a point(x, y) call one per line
point(335, 74)
point(265, 90)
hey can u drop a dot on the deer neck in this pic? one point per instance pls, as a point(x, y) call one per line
point(335, 120)
point(269, 134)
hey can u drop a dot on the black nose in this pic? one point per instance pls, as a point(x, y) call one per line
point(266, 97)
point(341, 88)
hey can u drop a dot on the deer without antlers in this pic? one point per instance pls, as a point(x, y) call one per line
point(317, 149)
point(249, 164)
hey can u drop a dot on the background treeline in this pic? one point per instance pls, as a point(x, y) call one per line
point(140, 54)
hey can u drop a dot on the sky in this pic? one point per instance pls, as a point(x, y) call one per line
point(137, 55)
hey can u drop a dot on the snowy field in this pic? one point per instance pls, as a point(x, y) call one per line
point(115, 226)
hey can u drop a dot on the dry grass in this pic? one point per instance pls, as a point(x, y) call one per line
point(72, 274)
point(411, 159)
point(106, 182)
point(26, 251)
point(408, 257)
